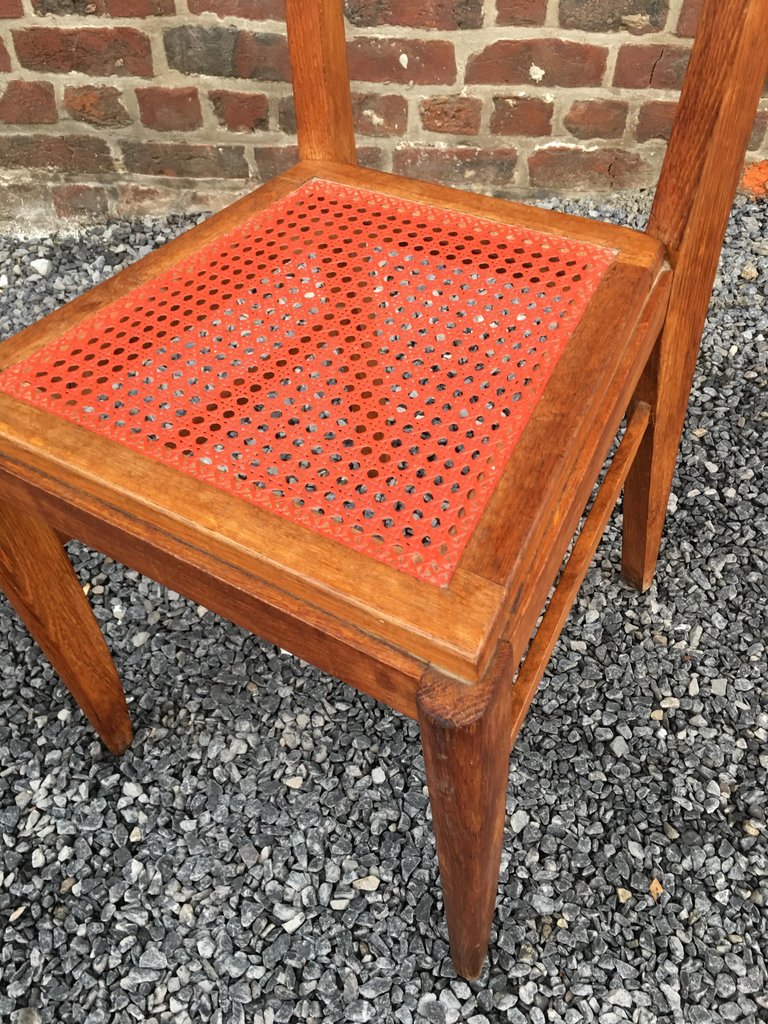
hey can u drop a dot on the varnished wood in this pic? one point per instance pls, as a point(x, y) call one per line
point(320, 80)
point(541, 552)
point(225, 585)
point(633, 247)
point(442, 654)
point(542, 645)
point(698, 181)
point(37, 578)
point(465, 734)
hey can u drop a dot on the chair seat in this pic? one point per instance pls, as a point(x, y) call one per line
point(345, 365)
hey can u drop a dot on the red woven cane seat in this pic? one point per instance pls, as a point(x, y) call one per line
point(355, 362)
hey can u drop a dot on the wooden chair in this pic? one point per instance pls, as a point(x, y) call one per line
point(362, 415)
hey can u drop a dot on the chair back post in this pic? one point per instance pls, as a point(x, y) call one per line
point(318, 54)
point(711, 132)
point(690, 213)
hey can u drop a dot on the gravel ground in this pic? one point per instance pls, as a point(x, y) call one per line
point(264, 852)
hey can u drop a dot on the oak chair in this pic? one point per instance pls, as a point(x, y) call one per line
point(362, 415)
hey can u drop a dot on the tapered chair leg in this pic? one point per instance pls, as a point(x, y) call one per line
point(465, 734)
point(39, 581)
point(665, 385)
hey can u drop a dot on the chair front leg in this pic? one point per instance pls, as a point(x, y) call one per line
point(39, 581)
point(465, 734)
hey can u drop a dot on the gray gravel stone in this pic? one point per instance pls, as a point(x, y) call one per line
point(156, 887)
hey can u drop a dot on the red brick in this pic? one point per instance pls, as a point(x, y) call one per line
point(169, 110)
point(562, 168)
point(240, 111)
point(113, 8)
point(654, 120)
point(262, 56)
point(137, 200)
point(521, 12)
point(273, 160)
point(636, 16)
point(564, 63)
point(11, 9)
point(28, 103)
point(75, 153)
point(441, 14)
point(92, 51)
point(452, 115)
point(420, 61)
point(5, 60)
point(521, 115)
point(80, 7)
point(378, 115)
point(468, 166)
point(184, 160)
point(99, 105)
point(80, 202)
point(597, 119)
point(257, 10)
point(371, 156)
point(651, 66)
point(224, 51)
point(689, 17)
point(140, 8)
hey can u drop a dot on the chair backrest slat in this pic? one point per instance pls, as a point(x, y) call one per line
point(320, 80)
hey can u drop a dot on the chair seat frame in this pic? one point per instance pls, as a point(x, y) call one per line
point(459, 658)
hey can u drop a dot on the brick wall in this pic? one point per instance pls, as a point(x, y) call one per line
point(129, 106)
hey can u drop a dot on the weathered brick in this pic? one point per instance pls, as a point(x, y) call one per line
point(227, 52)
point(79, 153)
point(11, 9)
point(565, 167)
point(372, 156)
point(81, 202)
point(378, 115)
point(551, 62)
point(452, 115)
point(689, 17)
point(418, 61)
point(184, 160)
point(654, 120)
point(614, 15)
point(92, 51)
point(759, 131)
point(169, 110)
point(651, 66)
point(5, 60)
point(113, 8)
point(99, 105)
point(240, 111)
point(521, 115)
point(482, 170)
point(441, 14)
point(521, 12)
point(597, 119)
point(257, 10)
point(273, 160)
point(140, 8)
point(28, 103)
point(81, 7)
point(136, 200)
point(262, 56)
